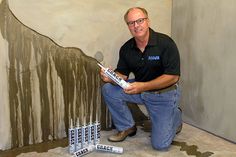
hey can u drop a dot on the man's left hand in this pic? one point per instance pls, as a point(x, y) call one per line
point(135, 88)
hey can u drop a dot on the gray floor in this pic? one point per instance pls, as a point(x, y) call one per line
point(190, 142)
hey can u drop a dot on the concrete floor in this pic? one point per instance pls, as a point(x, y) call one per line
point(190, 142)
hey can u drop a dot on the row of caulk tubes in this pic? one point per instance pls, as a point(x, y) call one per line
point(86, 138)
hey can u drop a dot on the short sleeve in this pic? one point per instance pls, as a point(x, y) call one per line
point(171, 58)
point(122, 66)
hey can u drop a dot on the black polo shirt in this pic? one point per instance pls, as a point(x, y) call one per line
point(161, 56)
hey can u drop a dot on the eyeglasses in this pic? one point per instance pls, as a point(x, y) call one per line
point(139, 21)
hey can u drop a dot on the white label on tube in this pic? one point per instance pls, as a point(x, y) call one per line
point(78, 138)
point(116, 78)
point(97, 128)
point(83, 141)
point(108, 148)
point(90, 133)
point(84, 151)
point(71, 140)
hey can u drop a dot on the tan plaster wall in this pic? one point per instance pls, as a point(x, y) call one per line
point(45, 76)
point(205, 33)
point(91, 25)
point(43, 85)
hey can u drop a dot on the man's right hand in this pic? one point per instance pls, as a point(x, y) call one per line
point(104, 77)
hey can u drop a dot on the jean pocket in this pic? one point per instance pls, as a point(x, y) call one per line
point(160, 99)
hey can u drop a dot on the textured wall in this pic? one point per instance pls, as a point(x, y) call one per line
point(206, 36)
point(93, 26)
point(43, 85)
point(45, 79)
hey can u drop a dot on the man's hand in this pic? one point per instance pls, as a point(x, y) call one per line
point(104, 77)
point(135, 88)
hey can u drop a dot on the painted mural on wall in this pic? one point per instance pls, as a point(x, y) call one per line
point(43, 85)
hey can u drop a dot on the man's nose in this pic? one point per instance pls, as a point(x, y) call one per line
point(135, 24)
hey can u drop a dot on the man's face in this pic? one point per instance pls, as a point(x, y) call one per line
point(138, 23)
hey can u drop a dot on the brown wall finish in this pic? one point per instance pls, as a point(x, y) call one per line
point(48, 84)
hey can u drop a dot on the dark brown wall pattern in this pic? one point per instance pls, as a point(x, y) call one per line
point(66, 79)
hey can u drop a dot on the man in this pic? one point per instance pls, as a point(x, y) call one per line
point(154, 59)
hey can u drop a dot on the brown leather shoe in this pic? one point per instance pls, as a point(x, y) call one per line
point(121, 135)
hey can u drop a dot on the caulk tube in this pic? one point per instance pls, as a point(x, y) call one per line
point(112, 75)
point(84, 151)
point(97, 129)
point(78, 136)
point(86, 134)
point(71, 138)
point(84, 130)
point(83, 136)
point(108, 148)
point(90, 132)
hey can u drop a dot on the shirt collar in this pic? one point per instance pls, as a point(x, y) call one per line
point(151, 41)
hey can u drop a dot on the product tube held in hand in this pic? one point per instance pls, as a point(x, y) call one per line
point(112, 75)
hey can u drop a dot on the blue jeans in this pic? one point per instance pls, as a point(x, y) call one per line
point(162, 109)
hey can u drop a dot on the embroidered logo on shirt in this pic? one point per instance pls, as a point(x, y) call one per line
point(151, 58)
